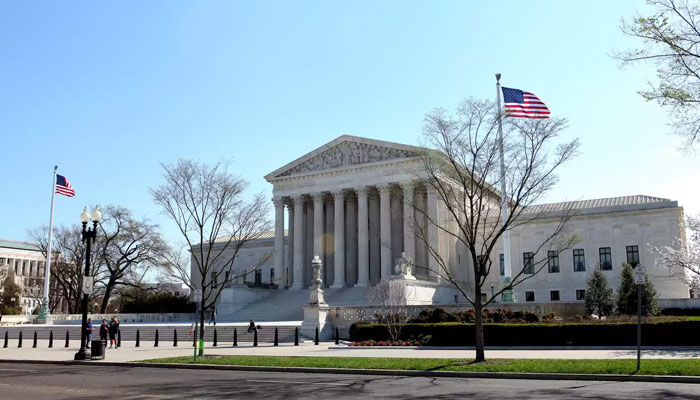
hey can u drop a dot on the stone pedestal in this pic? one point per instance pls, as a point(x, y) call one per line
point(507, 296)
point(317, 312)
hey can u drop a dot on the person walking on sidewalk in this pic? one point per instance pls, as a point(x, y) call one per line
point(213, 317)
point(104, 329)
point(113, 330)
point(88, 333)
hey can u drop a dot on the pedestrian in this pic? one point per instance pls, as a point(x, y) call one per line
point(213, 317)
point(104, 329)
point(252, 327)
point(88, 333)
point(113, 330)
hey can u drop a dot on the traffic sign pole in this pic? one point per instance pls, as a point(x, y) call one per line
point(640, 280)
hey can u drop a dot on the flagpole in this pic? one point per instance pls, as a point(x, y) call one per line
point(508, 294)
point(45, 312)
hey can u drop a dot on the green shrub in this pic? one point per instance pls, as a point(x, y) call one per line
point(681, 333)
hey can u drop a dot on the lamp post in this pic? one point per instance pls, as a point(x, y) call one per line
point(88, 235)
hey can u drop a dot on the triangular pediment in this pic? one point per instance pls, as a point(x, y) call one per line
point(346, 151)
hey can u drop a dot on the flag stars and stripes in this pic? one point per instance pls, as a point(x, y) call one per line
point(520, 104)
point(63, 186)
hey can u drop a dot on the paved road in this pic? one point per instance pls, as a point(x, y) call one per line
point(35, 381)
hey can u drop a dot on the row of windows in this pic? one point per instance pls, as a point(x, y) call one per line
point(604, 256)
point(554, 295)
point(244, 277)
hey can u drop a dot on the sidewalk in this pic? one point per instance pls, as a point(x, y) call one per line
point(328, 349)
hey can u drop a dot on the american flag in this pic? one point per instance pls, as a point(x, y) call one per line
point(63, 186)
point(521, 104)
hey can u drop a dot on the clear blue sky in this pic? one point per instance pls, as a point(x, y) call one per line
point(110, 90)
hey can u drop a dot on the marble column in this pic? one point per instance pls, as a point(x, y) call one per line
point(409, 241)
point(289, 262)
point(433, 242)
point(318, 225)
point(350, 240)
point(279, 235)
point(339, 239)
point(362, 237)
point(385, 229)
point(298, 242)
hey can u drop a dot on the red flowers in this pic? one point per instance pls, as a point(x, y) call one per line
point(396, 343)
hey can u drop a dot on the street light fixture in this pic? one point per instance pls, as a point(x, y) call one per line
point(88, 235)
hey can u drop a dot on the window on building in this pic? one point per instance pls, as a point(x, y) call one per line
point(605, 258)
point(554, 295)
point(244, 276)
point(579, 260)
point(502, 263)
point(2, 260)
point(553, 261)
point(633, 255)
point(483, 298)
point(529, 296)
point(528, 263)
point(272, 275)
point(580, 294)
point(227, 276)
point(258, 277)
point(459, 258)
point(213, 279)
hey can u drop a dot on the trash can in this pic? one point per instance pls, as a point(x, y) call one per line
point(97, 348)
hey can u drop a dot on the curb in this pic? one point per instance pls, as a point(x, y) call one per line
point(383, 372)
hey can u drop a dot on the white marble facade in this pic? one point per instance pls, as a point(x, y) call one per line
point(353, 200)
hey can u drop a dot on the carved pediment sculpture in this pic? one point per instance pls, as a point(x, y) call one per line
point(348, 153)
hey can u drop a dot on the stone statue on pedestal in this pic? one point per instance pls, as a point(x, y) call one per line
point(316, 294)
point(403, 267)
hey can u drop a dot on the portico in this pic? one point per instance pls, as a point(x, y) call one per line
point(355, 203)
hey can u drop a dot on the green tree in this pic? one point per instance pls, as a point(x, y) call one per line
point(599, 297)
point(626, 300)
point(669, 38)
point(11, 296)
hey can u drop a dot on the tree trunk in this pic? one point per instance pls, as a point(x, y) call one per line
point(108, 294)
point(478, 325)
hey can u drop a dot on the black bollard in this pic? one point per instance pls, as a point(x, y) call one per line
point(34, 343)
point(216, 338)
point(174, 337)
point(235, 337)
point(119, 338)
point(50, 339)
point(255, 337)
point(67, 338)
point(194, 338)
point(296, 336)
point(138, 338)
point(6, 340)
point(20, 339)
point(155, 344)
point(277, 342)
point(337, 336)
point(316, 337)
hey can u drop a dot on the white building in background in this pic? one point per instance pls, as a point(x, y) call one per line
point(26, 262)
point(345, 200)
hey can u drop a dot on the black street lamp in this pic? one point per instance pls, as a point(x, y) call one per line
point(89, 235)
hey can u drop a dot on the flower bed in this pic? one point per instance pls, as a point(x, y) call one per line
point(385, 343)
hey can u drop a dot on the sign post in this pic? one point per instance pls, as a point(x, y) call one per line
point(640, 281)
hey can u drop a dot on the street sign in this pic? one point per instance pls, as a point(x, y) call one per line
point(88, 282)
point(640, 276)
point(197, 295)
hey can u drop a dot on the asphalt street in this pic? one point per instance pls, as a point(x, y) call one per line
point(37, 381)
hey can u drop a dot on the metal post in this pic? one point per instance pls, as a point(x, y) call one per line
point(277, 343)
point(216, 338)
point(35, 340)
point(316, 337)
point(296, 336)
point(20, 339)
point(337, 335)
point(155, 344)
point(88, 236)
point(175, 337)
point(6, 340)
point(138, 338)
point(67, 339)
point(235, 337)
point(639, 325)
point(255, 337)
point(50, 339)
point(119, 337)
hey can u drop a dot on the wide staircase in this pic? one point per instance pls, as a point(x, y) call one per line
point(287, 305)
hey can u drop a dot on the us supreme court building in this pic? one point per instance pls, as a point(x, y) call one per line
point(352, 202)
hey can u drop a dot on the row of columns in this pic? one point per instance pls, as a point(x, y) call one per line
point(296, 233)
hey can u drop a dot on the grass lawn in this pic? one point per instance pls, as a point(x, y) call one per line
point(689, 367)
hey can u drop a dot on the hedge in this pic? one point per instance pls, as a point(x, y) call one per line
point(681, 333)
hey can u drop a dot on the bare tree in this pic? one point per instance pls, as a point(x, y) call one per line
point(207, 204)
point(128, 250)
point(391, 297)
point(462, 162)
point(670, 36)
point(681, 258)
point(68, 256)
